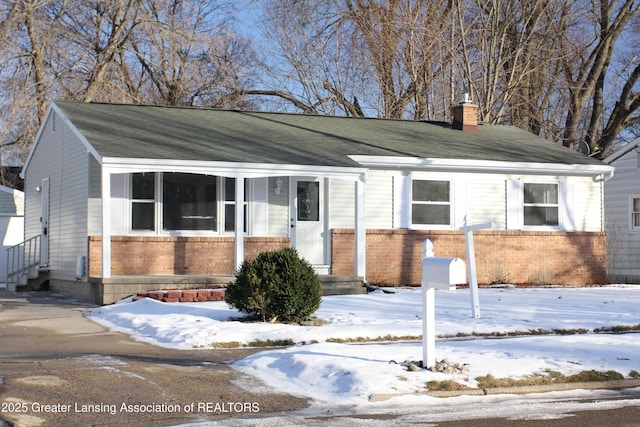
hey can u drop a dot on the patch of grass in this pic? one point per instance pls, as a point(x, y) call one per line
point(575, 331)
point(446, 385)
point(271, 343)
point(386, 338)
point(618, 329)
point(592, 375)
point(549, 377)
point(255, 343)
point(489, 381)
point(230, 344)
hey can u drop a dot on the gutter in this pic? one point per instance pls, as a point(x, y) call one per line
point(466, 165)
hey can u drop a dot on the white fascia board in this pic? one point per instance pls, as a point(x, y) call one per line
point(229, 169)
point(489, 166)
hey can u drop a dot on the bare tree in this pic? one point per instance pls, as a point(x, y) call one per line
point(154, 51)
point(189, 55)
point(586, 68)
point(351, 55)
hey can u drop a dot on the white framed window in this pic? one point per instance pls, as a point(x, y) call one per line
point(430, 202)
point(541, 204)
point(180, 203)
point(143, 201)
point(229, 213)
point(634, 207)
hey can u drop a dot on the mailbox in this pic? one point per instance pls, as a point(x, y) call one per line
point(441, 273)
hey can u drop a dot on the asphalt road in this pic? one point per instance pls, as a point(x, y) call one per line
point(58, 368)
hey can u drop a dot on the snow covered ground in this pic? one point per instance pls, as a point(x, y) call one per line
point(349, 374)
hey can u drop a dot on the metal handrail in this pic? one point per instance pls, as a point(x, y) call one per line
point(21, 258)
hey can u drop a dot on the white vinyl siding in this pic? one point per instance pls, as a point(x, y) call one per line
point(623, 240)
point(579, 203)
point(342, 204)
point(258, 208)
point(64, 159)
point(278, 210)
point(486, 200)
point(378, 201)
point(11, 224)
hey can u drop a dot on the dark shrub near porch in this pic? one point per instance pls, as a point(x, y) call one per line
point(278, 286)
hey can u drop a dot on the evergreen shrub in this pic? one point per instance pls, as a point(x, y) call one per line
point(278, 286)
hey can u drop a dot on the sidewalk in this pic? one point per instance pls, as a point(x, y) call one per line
point(59, 368)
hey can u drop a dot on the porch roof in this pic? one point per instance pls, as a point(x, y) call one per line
point(210, 135)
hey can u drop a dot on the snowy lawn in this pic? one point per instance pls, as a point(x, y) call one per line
point(324, 369)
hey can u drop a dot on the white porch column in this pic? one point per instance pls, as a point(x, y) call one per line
point(239, 221)
point(106, 223)
point(360, 229)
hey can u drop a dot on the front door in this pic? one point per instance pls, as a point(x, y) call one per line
point(44, 222)
point(308, 221)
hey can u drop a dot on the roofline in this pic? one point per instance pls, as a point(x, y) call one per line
point(466, 165)
point(229, 169)
point(54, 108)
point(624, 150)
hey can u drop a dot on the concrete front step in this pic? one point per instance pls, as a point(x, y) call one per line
point(331, 285)
point(342, 285)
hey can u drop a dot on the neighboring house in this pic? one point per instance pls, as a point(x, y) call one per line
point(11, 225)
point(622, 201)
point(153, 192)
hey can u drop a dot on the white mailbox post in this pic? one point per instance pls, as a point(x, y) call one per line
point(437, 273)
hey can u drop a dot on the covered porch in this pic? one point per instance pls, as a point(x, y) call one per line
point(123, 263)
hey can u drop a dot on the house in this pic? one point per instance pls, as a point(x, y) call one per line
point(622, 201)
point(128, 197)
point(11, 226)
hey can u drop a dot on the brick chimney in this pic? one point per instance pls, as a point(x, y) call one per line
point(465, 115)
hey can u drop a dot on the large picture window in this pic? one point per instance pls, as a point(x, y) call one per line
point(430, 202)
point(176, 202)
point(188, 202)
point(541, 204)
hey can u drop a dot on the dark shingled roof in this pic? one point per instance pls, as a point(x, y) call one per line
point(175, 133)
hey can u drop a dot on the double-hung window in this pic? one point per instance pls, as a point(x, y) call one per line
point(230, 205)
point(143, 201)
point(181, 202)
point(635, 213)
point(541, 204)
point(430, 202)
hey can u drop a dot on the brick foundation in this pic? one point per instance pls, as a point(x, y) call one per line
point(139, 255)
point(519, 257)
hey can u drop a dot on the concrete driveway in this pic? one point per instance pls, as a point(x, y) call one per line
point(59, 368)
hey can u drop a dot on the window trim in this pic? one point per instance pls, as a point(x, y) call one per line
point(158, 210)
point(450, 203)
point(632, 227)
point(559, 205)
